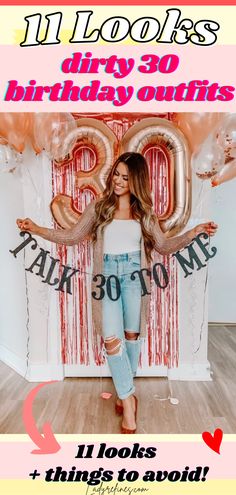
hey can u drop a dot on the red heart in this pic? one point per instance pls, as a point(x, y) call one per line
point(213, 441)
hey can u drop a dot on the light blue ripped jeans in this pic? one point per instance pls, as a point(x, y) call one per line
point(121, 308)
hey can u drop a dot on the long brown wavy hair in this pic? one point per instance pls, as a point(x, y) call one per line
point(140, 199)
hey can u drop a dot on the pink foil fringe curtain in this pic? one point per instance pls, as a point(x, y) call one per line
point(79, 342)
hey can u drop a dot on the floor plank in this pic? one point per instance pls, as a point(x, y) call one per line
point(75, 405)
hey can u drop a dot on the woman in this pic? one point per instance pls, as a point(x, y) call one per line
point(124, 231)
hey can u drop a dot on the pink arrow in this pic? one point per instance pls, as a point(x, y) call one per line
point(47, 443)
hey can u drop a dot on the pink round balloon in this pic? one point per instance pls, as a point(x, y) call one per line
point(15, 128)
point(228, 172)
point(197, 126)
point(52, 133)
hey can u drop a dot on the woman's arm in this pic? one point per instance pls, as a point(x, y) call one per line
point(170, 245)
point(68, 237)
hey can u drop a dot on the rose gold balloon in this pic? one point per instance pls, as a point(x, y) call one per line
point(15, 128)
point(91, 136)
point(15, 140)
point(154, 131)
point(96, 135)
point(228, 172)
point(64, 211)
point(6, 123)
point(31, 135)
point(52, 133)
point(197, 126)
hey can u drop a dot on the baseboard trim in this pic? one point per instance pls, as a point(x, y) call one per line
point(33, 372)
point(200, 372)
point(221, 324)
point(93, 371)
point(47, 372)
point(15, 362)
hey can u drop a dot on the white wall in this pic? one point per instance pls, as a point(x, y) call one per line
point(222, 281)
point(28, 308)
point(13, 335)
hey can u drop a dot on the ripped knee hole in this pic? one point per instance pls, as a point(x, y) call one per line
point(112, 345)
point(131, 336)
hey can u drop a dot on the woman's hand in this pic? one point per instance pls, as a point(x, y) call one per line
point(209, 228)
point(28, 225)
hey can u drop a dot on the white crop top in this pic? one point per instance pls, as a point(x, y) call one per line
point(122, 236)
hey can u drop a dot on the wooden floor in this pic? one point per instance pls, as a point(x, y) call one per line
point(75, 406)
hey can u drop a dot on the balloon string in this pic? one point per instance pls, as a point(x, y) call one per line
point(172, 400)
point(200, 203)
point(200, 192)
point(200, 199)
point(203, 316)
point(32, 182)
point(27, 322)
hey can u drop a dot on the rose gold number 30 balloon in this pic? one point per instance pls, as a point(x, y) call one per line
point(95, 136)
point(149, 132)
